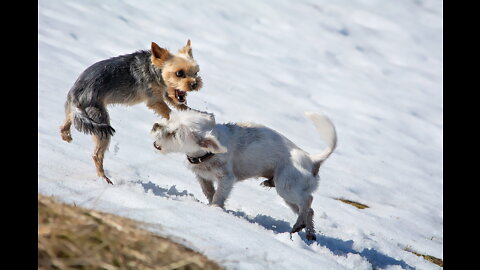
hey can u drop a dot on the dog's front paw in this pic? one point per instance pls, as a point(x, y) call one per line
point(66, 136)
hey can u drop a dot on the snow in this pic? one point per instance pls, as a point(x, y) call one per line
point(373, 67)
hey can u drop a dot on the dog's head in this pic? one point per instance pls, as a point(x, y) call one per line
point(179, 71)
point(186, 132)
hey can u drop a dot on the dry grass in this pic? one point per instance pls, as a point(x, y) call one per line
point(429, 258)
point(356, 204)
point(71, 237)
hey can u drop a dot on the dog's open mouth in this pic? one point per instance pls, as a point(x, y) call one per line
point(181, 96)
point(157, 146)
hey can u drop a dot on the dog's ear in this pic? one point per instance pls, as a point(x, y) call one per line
point(211, 144)
point(159, 55)
point(187, 49)
point(156, 127)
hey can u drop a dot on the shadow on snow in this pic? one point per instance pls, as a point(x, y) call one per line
point(163, 192)
point(335, 245)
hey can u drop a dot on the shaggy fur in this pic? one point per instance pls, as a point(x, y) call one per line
point(247, 150)
point(153, 77)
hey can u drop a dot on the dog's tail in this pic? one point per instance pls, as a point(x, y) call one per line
point(93, 120)
point(327, 132)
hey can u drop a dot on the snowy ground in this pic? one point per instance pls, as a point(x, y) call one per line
point(374, 67)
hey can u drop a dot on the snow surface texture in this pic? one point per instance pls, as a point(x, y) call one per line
point(374, 67)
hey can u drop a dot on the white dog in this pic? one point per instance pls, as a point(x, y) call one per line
point(225, 153)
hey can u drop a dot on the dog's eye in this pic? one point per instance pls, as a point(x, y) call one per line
point(180, 73)
point(170, 134)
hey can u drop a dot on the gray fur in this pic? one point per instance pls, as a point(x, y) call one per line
point(122, 79)
point(93, 120)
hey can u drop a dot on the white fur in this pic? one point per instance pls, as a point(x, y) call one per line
point(247, 150)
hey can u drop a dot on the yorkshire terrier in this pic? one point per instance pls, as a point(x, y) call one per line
point(155, 77)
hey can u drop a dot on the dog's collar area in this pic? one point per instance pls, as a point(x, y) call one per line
point(197, 160)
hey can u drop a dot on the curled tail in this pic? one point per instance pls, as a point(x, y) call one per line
point(93, 120)
point(327, 132)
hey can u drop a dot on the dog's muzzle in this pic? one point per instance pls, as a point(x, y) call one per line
point(193, 85)
point(181, 96)
point(157, 146)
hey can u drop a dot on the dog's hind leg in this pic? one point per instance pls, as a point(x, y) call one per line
point(293, 206)
point(94, 119)
point(101, 145)
point(305, 219)
point(310, 230)
point(65, 128)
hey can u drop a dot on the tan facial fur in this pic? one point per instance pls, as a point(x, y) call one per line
point(181, 62)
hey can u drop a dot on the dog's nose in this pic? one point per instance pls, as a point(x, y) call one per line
point(157, 146)
point(193, 85)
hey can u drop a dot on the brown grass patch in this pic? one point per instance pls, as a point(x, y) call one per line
point(429, 258)
point(356, 204)
point(71, 237)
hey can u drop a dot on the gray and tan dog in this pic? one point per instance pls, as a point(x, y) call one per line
point(226, 153)
point(155, 77)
